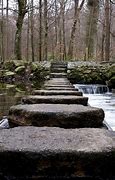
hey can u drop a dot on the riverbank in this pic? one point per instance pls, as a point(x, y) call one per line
point(92, 73)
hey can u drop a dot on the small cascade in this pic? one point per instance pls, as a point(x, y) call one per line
point(92, 89)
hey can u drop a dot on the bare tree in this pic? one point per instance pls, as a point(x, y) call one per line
point(77, 10)
point(45, 30)
point(2, 31)
point(22, 10)
point(91, 28)
point(32, 29)
point(107, 30)
point(40, 30)
point(7, 36)
point(28, 36)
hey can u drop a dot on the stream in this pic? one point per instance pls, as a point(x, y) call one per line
point(99, 96)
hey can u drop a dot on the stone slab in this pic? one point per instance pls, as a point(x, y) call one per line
point(52, 82)
point(56, 92)
point(60, 88)
point(59, 99)
point(56, 115)
point(57, 80)
point(58, 75)
point(58, 66)
point(28, 153)
point(57, 83)
point(59, 69)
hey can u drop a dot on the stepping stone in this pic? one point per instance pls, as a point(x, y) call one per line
point(58, 75)
point(56, 92)
point(61, 88)
point(53, 66)
point(59, 80)
point(59, 99)
point(64, 116)
point(29, 153)
point(59, 69)
point(57, 83)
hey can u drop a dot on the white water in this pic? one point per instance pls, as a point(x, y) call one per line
point(104, 100)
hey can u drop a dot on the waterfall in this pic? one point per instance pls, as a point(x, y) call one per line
point(92, 89)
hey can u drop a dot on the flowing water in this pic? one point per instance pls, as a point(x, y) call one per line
point(99, 96)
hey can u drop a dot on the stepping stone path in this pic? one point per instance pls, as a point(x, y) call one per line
point(59, 136)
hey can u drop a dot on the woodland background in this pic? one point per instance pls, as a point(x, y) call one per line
point(57, 29)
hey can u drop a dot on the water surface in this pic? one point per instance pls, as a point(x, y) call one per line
point(100, 97)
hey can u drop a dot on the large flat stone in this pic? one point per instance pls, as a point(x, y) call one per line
point(59, 99)
point(56, 92)
point(65, 116)
point(29, 153)
point(59, 85)
point(60, 88)
point(59, 69)
point(61, 81)
point(58, 75)
point(56, 66)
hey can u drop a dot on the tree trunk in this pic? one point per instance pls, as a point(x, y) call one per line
point(40, 30)
point(32, 30)
point(91, 28)
point(28, 33)
point(107, 30)
point(63, 30)
point(21, 13)
point(102, 42)
point(45, 31)
point(56, 24)
point(7, 35)
point(73, 30)
point(2, 34)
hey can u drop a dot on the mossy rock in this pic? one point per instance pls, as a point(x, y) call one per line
point(34, 66)
point(20, 70)
point(9, 65)
point(111, 71)
point(9, 73)
point(111, 82)
point(91, 74)
point(13, 64)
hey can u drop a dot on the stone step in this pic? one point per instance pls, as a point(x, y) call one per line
point(61, 81)
point(58, 70)
point(58, 75)
point(58, 86)
point(57, 83)
point(56, 92)
point(61, 88)
point(59, 99)
point(29, 153)
point(56, 115)
point(58, 65)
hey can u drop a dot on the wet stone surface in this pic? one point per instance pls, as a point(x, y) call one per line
point(56, 92)
point(59, 115)
point(59, 99)
point(34, 152)
point(61, 88)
